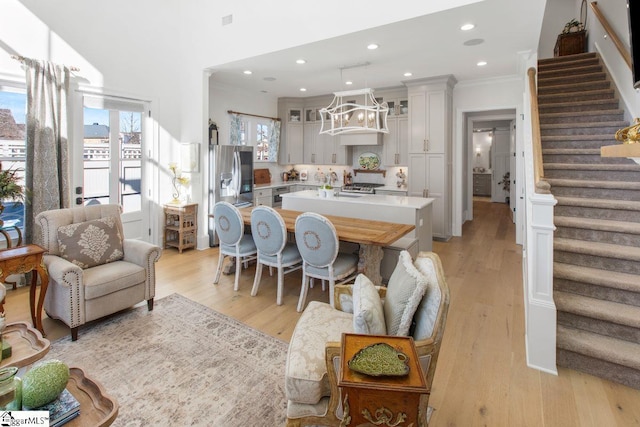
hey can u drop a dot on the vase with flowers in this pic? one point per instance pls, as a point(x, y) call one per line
point(10, 188)
point(177, 180)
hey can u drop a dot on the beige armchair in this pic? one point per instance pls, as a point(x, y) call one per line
point(313, 360)
point(93, 270)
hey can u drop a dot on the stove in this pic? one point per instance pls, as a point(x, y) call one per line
point(360, 187)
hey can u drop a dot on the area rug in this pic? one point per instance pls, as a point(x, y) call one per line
point(182, 364)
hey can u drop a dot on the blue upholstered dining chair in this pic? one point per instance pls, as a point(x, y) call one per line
point(317, 241)
point(270, 236)
point(233, 241)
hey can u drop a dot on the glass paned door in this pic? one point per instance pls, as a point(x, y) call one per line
point(113, 141)
point(13, 105)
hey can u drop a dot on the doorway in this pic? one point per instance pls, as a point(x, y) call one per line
point(490, 154)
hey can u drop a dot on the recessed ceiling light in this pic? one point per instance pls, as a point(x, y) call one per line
point(408, 74)
point(348, 82)
point(372, 46)
point(247, 72)
point(300, 61)
point(473, 42)
point(302, 89)
point(481, 63)
point(467, 27)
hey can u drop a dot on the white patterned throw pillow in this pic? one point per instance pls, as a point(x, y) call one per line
point(405, 290)
point(91, 243)
point(368, 313)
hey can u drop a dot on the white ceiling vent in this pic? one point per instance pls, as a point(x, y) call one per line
point(226, 20)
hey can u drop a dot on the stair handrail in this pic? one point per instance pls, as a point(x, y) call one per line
point(541, 186)
point(609, 30)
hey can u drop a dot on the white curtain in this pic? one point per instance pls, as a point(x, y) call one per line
point(47, 161)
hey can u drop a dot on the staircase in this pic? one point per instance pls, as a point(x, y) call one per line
point(597, 242)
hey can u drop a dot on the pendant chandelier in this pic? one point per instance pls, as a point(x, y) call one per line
point(344, 115)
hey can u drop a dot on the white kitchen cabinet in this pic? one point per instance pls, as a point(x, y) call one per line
point(322, 149)
point(311, 153)
point(291, 131)
point(263, 196)
point(427, 121)
point(428, 179)
point(395, 143)
point(430, 121)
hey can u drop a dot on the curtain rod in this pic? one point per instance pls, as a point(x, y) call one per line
point(22, 58)
point(252, 115)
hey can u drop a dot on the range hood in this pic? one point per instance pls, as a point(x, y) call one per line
point(361, 138)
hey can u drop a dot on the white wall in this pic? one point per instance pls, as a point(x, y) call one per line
point(556, 14)
point(477, 96)
point(616, 13)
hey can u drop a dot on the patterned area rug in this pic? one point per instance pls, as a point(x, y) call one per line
point(182, 364)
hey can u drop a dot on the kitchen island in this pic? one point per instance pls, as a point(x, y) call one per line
point(398, 209)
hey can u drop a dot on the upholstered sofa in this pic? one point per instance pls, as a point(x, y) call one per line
point(93, 270)
point(314, 351)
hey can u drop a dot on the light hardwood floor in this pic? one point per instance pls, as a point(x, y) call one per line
point(482, 378)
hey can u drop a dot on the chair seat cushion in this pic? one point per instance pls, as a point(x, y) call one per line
point(290, 256)
point(91, 243)
point(306, 372)
point(108, 278)
point(344, 265)
point(247, 246)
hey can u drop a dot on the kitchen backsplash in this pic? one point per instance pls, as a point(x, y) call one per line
point(389, 179)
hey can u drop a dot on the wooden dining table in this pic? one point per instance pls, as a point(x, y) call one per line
point(371, 235)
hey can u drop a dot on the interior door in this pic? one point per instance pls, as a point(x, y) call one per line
point(115, 134)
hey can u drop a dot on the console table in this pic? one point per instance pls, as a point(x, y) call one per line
point(389, 401)
point(24, 259)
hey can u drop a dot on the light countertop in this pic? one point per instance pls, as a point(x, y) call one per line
point(373, 199)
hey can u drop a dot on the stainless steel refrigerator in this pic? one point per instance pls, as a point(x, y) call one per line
point(230, 179)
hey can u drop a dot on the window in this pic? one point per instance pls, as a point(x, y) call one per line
point(262, 142)
point(13, 114)
point(262, 133)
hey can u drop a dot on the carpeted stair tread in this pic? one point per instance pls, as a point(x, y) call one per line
point(597, 224)
point(574, 63)
point(574, 71)
point(618, 124)
point(585, 183)
point(591, 137)
point(568, 79)
point(617, 351)
point(593, 166)
point(610, 115)
point(620, 314)
point(574, 87)
point(553, 98)
point(596, 276)
point(629, 205)
point(603, 250)
point(577, 105)
point(594, 151)
point(567, 59)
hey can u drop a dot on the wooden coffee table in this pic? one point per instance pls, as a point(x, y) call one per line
point(97, 408)
point(27, 345)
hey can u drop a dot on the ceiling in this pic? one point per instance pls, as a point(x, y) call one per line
point(427, 46)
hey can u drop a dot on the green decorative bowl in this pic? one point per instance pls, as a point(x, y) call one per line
point(379, 360)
